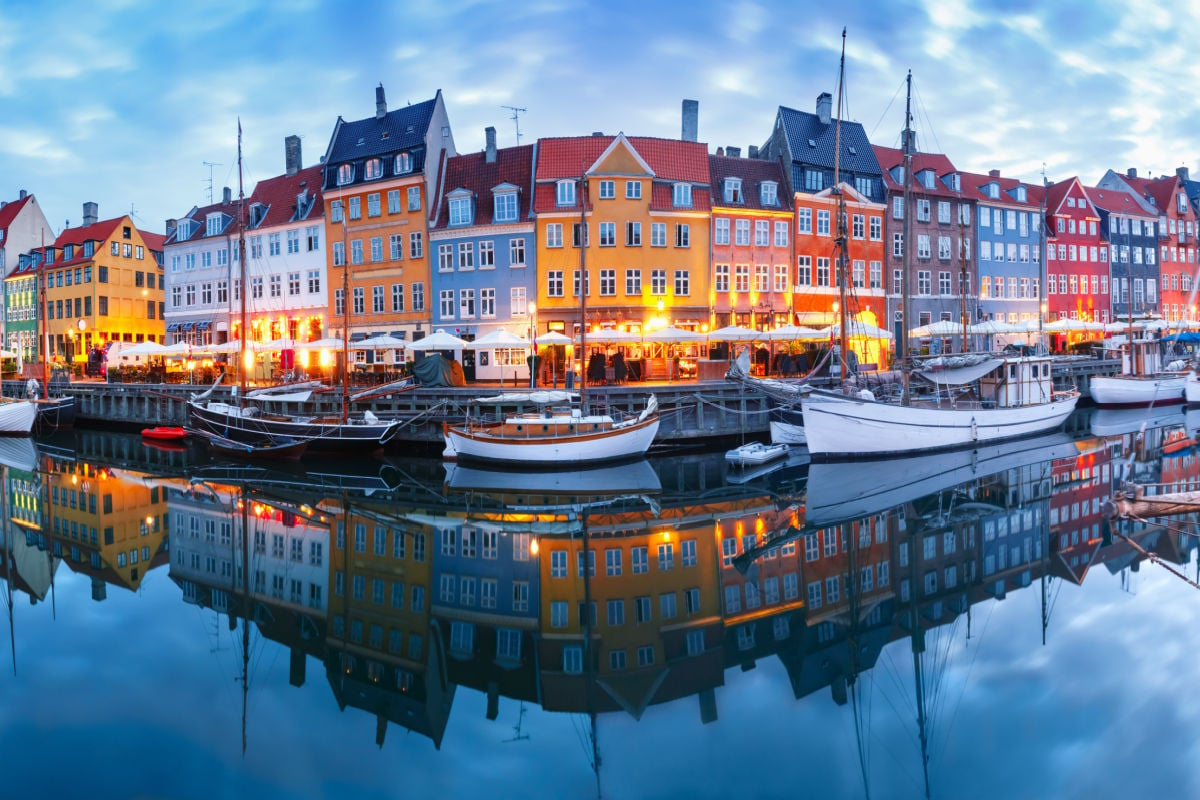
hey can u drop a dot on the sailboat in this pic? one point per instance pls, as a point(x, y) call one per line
point(559, 434)
point(1015, 396)
point(1143, 380)
point(249, 424)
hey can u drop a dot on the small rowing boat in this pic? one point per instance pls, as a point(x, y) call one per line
point(164, 433)
point(754, 454)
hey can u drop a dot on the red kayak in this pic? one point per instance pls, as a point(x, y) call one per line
point(164, 434)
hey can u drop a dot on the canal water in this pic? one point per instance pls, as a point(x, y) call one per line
point(945, 626)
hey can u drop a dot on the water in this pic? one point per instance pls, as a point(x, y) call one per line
point(1035, 655)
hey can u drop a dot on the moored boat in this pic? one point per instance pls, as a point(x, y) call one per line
point(271, 448)
point(17, 417)
point(557, 435)
point(1143, 381)
point(164, 433)
point(1191, 389)
point(755, 454)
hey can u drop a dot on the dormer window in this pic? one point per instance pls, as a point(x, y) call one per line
point(505, 206)
point(927, 178)
point(68, 252)
point(258, 212)
point(460, 209)
point(994, 190)
point(49, 255)
point(345, 174)
point(373, 168)
point(88, 249)
point(898, 174)
point(956, 182)
point(185, 230)
point(733, 190)
point(214, 226)
point(564, 193)
point(1021, 194)
point(682, 195)
point(769, 193)
point(403, 164)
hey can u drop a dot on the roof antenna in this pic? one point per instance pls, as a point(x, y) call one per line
point(516, 118)
point(210, 165)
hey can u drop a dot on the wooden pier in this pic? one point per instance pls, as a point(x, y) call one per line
point(689, 411)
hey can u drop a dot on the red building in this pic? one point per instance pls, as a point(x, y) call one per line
point(1077, 272)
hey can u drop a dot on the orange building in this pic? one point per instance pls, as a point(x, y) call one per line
point(644, 206)
point(751, 243)
point(380, 174)
point(104, 283)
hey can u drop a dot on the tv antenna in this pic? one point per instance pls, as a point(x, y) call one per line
point(516, 118)
point(518, 735)
point(210, 165)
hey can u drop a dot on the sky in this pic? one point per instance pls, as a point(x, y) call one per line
point(134, 105)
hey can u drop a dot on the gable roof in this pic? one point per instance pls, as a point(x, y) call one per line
point(1160, 191)
point(754, 173)
point(1116, 201)
point(973, 184)
point(403, 129)
point(279, 195)
point(9, 212)
point(1057, 192)
point(513, 165)
point(802, 127)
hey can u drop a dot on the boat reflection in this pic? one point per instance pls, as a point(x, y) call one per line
point(605, 591)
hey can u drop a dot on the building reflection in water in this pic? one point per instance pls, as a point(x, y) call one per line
point(599, 592)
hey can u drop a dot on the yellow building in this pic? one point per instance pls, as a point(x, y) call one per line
point(104, 283)
point(644, 207)
point(379, 176)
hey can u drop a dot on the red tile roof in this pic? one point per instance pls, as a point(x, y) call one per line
point(279, 195)
point(890, 157)
point(10, 210)
point(670, 159)
point(472, 172)
point(1057, 192)
point(973, 184)
point(753, 172)
point(1116, 200)
point(1162, 190)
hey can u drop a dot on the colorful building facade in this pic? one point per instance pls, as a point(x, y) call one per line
point(1009, 232)
point(1077, 270)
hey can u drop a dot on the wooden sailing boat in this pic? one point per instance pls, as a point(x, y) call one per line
point(559, 434)
point(249, 424)
point(1015, 396)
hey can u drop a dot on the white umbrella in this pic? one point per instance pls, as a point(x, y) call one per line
point(857, 328)
point(1066, 325)
point(552, 337)
point(733, 333)
point(321, 344)
point(995, 326)
point(275, 345)
point(791, 333)
point(381, 342)
point(144, 349)
point(438, 340)
point(943, 327)
point(499, 339)
point(612, 336)
point(672, 335)
point(177, 350)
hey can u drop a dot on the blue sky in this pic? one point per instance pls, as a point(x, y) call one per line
point(122, 101)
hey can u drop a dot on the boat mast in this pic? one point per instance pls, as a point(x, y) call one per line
point(242, 269)
point(1044, 268)
point(964, 260)
point(41, 282)
point(902, 346)
point(841, 241)
point(345, 320)
point(583, 284)
point(245, 611)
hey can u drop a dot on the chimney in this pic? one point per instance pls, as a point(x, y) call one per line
point(993, 173)
point(721, 151)
point(23, 195)
point(291, 151)
point(226, 196)
point(489, 135)
point(1131, 172)
point(91, 214)
point(691, 121)
point(171, 225)
point(909, 146)
point(733, 152)
point(380, 103)
point(597, 133)
point(825, 107)
point(752, 151)
point(1182, 172)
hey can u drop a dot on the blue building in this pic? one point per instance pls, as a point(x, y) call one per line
point(1130, 227)
point(1011, 246)
point(483, 276)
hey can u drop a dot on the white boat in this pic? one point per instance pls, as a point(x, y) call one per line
point(1018, 400)
point(553, 436)
point(1142, 382)
point(754, 454)
point(1191, 389)
point(17, 417)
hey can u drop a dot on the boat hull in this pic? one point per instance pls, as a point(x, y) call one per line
point(1191, 390)
point(611, 444)
point(787, 433)
point(56, 413)
point(17, 418)
point(320, 436)
point(756, 454)
point(841, 427)
point(1132, 390)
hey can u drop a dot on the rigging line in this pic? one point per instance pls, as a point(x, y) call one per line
point(967, 677)
point(924, 113)
point(907, 710)
point(1154, 558)
point(885, 110)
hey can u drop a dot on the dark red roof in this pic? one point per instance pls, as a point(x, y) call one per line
point(1058, 191)
point(890, 157)
point(670, 159)
point(513, 165)
point(753, 172)
point(1116, 200)
point(10, 210)
point(1161, 190)
point(973, 184)
point(279, 194)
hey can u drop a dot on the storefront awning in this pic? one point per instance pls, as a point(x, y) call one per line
point(187, 326)
point(203, 326)
point(357, 337)
point(172, 327)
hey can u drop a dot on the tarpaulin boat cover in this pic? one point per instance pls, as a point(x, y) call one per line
point(437, 370)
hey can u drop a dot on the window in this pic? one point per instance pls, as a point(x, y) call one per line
point(516, 252)
point(446, 303)
point(403, 163)
point(822, 223)
point(781, 234)
point(554, 233)
point(345, 174)
point(505, 207)
point(608, 234)
point(682, 195)
point(682, 235)
point(616, 612)
point(416, 248)
point(658, 234)
point(682, 283)
point(720, 230)
point(733, 190)
point(742, 232)
point(564, 194)
point(460, 211)
point(466, 255)
point(554, 283)
point(639, 556)
point(633, 190)
point(804, 220)
point(666, 557)
point(607, 189)
point(769, 194)
point(608, 282)
point(658, 282)
point(414, 198)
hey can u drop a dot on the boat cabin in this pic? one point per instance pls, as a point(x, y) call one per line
point(1018, 382)
point(1147, 357)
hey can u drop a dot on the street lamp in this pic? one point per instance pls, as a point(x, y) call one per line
point(533, 345)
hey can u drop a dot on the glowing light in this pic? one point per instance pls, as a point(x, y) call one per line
point(149, 520)
point(759, 526)
point(666, 535)
point(248, 360)
point(533, 547)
